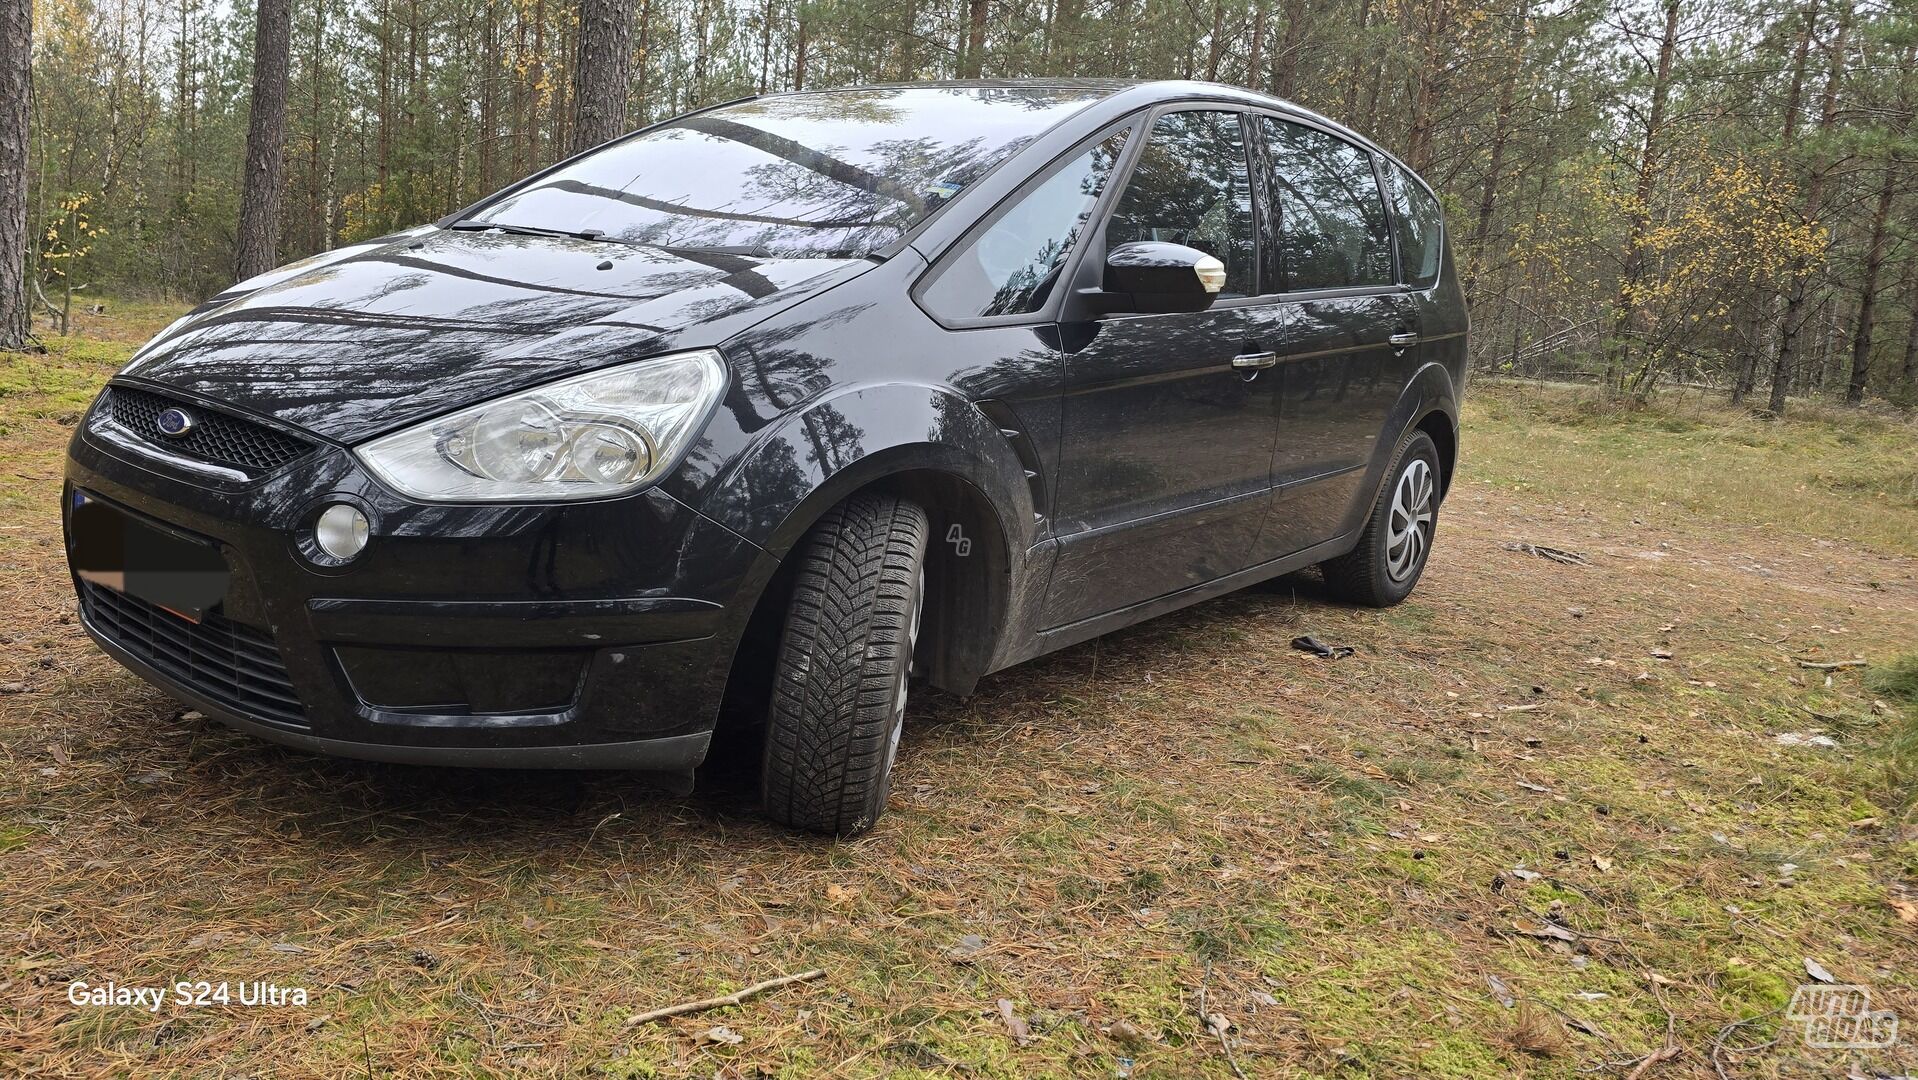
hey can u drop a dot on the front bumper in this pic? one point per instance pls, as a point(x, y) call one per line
point(584, 635)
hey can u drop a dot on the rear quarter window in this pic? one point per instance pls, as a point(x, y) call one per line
point(1418, 226)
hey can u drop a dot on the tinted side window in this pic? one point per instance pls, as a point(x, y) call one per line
point(1417, 224)
point(1192, 187)
point(1010, 267)
point(1331, 218)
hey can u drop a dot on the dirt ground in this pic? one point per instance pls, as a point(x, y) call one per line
point(1551, 818)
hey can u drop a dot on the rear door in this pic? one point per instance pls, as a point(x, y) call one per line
point(1349, 341)
point(1166, 445)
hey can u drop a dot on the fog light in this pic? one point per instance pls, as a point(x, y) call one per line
point(341, 531)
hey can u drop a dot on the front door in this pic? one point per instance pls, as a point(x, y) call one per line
point(1166, 447)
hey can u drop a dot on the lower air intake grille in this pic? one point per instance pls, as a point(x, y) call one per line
point(214, 436)
point(233, 665)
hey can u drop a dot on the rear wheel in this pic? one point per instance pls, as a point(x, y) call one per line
point(842, 667)
point(1392, 550)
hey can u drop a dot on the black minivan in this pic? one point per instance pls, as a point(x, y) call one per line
point(779, 405)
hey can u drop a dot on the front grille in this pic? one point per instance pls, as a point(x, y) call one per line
point(215, 436)
point(231, 664)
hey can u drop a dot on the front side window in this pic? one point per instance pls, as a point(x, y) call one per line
point(1331, 218)
point(836, 174)
point(1192, 186)
point(1417, 224)
point(1010, 267)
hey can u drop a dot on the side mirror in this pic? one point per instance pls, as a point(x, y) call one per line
point(1152, 277)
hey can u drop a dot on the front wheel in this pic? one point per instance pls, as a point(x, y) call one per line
point(841, 671)
point(1392, 550)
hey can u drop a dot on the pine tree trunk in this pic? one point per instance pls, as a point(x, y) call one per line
point(1215, 42)
point(1285, 73)
point(1625, 320)
point(265, 142)
point(1756, 352)
point(1868, 292)
point(1253, 51)
point(799, 56)
point(16, 76)
point(1501, 132)
point(316, 191)
point(975, 55)
point(601, 71)
point(1358, 60)
point(1792, 323)
point(489, 95)
point(1909, 369)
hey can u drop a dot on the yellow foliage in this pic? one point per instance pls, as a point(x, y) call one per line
point(1715, 227)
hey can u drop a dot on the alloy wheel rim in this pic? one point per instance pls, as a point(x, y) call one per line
point(1408, 530)
point(905, 670)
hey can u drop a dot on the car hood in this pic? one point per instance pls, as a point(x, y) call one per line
point(368, 339)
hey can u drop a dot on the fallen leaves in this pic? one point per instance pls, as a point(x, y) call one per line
point(1817, 971)
point(967, 950)
point(1500, 991)
point(1127, 1033)
point(1016, 1025)
point(1543, 930)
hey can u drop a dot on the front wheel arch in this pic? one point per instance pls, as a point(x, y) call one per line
point(970, 567)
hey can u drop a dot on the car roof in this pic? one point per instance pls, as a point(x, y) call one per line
point(1127, 95)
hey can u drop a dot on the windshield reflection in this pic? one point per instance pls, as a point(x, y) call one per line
point(837, 174)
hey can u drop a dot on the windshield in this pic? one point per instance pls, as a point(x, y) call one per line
point(839, 174)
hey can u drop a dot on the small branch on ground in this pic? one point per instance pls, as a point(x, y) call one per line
point(1216, 1023)
point(1837, 665)
point(1671, 1048)
point(1645, 1063)
point(721, 1002)
point(1719, 1048)
point(1557, 555)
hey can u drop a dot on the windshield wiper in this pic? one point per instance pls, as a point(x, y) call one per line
point(475, 225)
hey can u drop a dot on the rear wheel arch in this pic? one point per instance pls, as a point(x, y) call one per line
point(1444, 434)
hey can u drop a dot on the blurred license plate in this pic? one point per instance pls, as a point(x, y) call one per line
point(116, 551)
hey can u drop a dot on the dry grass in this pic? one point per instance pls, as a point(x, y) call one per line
point(1351, 860)
point(1821, 470)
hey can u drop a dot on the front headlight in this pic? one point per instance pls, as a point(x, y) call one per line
point(588, 437)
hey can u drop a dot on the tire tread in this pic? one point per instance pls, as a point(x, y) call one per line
point(837, 664)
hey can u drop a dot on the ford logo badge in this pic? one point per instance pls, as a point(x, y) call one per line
point(174, 423)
